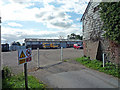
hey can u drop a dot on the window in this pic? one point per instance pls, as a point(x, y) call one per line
point(96, 8)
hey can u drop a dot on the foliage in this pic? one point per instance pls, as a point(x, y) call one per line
point(74, 36)
point(18, 81)
point(18, 43)
point(110, 15)
point(7, 72)
point(23, 44)
point(109, 68)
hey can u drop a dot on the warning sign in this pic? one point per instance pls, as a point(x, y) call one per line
point(22, 55)
point(29, 55)
point(21, 61)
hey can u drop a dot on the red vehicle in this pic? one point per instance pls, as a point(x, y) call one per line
point(78, 46)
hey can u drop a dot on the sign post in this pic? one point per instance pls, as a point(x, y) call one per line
point(24, 56)
point(25, 73)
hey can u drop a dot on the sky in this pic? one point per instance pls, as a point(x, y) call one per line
point(44, 19)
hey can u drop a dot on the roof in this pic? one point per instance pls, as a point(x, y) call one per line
point(36, 39)
point(86, 10)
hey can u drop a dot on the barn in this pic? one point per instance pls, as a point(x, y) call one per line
point(37, 43)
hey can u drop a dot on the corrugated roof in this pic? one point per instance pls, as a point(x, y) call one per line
point(36, 39)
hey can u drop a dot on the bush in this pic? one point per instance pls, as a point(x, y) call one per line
point(6, 72)
point(18, 81)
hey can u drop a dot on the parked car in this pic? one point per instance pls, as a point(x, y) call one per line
point(78, 46)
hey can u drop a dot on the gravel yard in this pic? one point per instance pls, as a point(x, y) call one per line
point(47, 57)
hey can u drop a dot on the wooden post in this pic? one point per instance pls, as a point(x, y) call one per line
point(25, 73)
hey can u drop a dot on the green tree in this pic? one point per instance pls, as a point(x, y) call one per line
point(18, 43)
point(79, 37)
point(23, 44)
point(74, 36)
point(110, 15)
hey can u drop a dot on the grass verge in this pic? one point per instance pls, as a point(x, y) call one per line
point(18, 81)
point(109, 68)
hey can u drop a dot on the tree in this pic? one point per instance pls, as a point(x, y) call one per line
point(110, 15)
point(74, 36)
point(18, 43)
point(23, 44)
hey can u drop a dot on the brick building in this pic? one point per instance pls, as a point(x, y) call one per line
point(93, 41)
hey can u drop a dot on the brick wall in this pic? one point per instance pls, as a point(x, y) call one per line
point(95, 49)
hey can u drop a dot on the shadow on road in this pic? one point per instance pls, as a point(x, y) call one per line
point(48, 66)
point(44, 67)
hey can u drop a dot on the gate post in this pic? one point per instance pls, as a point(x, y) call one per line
point(38, 62)
point(61, 53)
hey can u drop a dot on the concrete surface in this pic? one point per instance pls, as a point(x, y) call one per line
point(82, 79)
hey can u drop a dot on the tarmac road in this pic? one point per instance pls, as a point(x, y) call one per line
point(57, 74)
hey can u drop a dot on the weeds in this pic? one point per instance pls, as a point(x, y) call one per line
point(18, 81)
point(109, 68)
point(6, 72)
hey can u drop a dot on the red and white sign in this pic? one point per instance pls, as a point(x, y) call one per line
point(29, 55)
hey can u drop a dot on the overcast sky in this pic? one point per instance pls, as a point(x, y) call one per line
point(40, 18)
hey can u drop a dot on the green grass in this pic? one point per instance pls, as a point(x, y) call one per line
point(65, 60)
point(109, 68)
point(18, 81)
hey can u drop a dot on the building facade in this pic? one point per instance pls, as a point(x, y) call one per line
point(93, 41)
point(37, 43)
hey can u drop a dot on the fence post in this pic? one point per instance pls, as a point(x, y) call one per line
point(38, 62)
point(103, 59)
point(61, 53)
